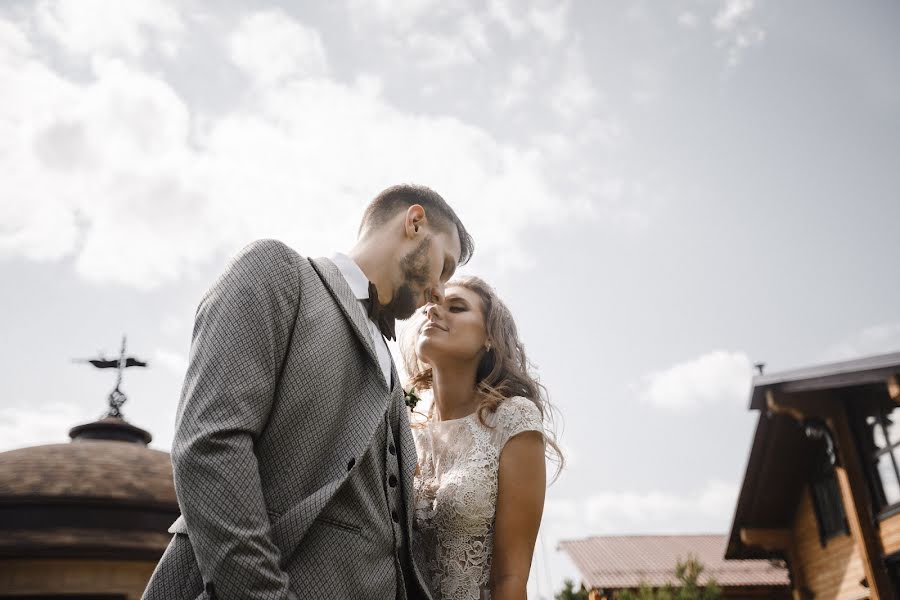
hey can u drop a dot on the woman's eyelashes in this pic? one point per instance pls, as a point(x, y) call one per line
point(452, 308)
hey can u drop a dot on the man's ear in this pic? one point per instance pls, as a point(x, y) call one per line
point(415, 220)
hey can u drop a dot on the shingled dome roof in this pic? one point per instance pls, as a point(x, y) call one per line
point(104, 494)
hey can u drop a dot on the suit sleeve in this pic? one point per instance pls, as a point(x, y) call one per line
point(241, 334)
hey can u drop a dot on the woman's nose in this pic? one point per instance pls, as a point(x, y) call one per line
point(437, 294)
point(432, 311)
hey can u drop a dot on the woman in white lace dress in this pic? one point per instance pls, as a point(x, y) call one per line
point(481, 477)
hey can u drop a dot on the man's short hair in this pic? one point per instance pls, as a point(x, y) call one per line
point(437, 211)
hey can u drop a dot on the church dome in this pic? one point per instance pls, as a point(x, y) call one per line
point(104, 494)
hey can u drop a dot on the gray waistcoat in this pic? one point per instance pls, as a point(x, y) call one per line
point(376, 476)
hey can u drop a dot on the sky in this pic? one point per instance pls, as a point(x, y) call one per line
point(663, 193)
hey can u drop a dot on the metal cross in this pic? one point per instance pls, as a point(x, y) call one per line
point(116, 397)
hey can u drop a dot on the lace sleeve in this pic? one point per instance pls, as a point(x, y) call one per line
point(515, 416)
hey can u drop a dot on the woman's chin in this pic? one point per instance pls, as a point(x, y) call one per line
point(425, 349)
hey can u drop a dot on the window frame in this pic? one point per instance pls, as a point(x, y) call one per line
point(823, 477)
point(872, 454)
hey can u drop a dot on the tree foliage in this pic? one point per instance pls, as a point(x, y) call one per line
point(570, 593)
point(688, 586)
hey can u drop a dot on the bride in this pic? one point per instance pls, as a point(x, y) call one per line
point(481, 477)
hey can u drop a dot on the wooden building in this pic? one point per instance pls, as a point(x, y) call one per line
point(86, 519)
point(822, 484)
point(610, 564)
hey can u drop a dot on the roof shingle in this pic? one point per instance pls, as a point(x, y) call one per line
point(629, 561)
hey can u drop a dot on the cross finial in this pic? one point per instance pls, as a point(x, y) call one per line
point(116, 397)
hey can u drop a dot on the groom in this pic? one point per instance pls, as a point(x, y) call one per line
point(292, 455)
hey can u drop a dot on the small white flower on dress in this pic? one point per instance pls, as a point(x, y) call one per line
point(475, 554)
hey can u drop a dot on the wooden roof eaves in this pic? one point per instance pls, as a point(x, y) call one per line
point(861, 371)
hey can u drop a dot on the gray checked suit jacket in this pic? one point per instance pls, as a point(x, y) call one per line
point(282, 396)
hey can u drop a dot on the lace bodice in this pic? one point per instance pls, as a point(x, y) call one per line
point(456, 496)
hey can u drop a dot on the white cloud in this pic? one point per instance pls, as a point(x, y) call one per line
point(32, 224)
point(716, 378)
point(33, 426)
point(877, 339)
point(736, 30)
point(647, 81)
point(119, 171)
point(731, 13)
point(575, 94)
point(516, 89)
point(432, 51)
point(505, 12)
point(402, 15)
point(708, 508)
point(14, 44)
point(439, 51)
point(550, 20)
point(176, 325)
point(688, 19)
point(543, 20)
point(269, 46)
point(175, 362)
point(547, 19)
point(473, 31)
point(98, 26)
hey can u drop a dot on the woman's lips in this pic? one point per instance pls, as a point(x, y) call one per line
point(433, 325)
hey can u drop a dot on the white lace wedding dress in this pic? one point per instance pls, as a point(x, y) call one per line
point(456, 496)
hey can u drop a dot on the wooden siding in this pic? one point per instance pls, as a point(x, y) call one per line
point(832, 572)
point(756, 593)
point(890, 534)
point(61, 578)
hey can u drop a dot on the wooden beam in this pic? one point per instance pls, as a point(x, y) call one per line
point(858, 506)
point(893, 387)
point(779, 408)
point(770, 540)
point(781, 541)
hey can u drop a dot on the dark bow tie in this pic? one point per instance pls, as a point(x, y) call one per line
point(379, 314)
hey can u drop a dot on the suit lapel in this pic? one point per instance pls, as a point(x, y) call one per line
point(395, 379)
point(350, 306)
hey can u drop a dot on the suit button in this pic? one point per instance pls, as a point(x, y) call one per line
point(392, 481)
point(391, 449)
point(395, 516)
point(350, 463)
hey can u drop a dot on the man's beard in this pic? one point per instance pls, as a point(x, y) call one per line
point(414, 267)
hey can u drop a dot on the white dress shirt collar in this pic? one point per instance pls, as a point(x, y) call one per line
point(359, 285)
point(356, 279)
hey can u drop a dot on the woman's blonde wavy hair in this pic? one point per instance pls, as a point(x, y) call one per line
point(504, 371)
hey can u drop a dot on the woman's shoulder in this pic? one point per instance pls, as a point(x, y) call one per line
point(515, 415)
point(518, 406)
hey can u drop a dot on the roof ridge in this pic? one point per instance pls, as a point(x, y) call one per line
point(646, 535)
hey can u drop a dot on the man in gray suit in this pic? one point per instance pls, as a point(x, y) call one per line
point(293, 458)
